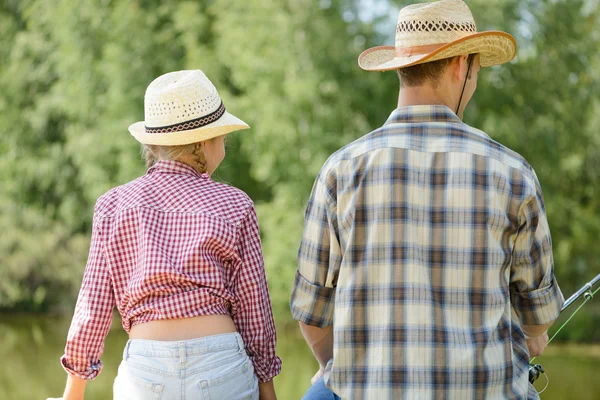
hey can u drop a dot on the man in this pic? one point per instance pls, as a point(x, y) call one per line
point(425, 269)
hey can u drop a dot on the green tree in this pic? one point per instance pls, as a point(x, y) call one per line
point(74, 78)
point(73, 75)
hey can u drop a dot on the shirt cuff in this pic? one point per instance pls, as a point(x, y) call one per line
point(88, 374)
point(265, 372)
point(541, 306)
point(312, 304)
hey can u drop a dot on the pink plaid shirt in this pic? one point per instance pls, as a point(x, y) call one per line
point(173, 244)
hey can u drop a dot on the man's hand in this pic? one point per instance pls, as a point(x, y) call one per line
point(537, 345)
point(318, 375)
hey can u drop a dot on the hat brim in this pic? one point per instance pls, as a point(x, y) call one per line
point(227, 123)
point(494, 48)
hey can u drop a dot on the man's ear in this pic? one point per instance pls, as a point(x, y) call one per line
point(459, 65)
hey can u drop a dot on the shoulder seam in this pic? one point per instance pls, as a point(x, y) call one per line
point(166, 211)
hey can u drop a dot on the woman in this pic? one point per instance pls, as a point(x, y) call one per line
point(180, 257)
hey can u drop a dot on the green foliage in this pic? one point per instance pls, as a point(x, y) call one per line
point(546, 107)
point(73, 75)
point(35, 256)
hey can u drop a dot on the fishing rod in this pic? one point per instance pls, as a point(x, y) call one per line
point(586, 291)
point(581, 292)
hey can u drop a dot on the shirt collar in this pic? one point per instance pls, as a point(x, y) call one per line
point(423, 113)
point(174, 167)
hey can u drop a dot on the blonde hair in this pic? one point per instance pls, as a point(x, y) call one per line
point(154, 153)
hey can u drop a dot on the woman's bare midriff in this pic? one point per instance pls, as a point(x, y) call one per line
point(183, 329)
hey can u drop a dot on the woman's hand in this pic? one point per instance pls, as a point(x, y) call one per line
point(266, 391)
point(74, 391)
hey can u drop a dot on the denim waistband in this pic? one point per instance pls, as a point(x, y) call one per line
point(181, 348)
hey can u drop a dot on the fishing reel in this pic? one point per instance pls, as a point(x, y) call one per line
point(535, 370)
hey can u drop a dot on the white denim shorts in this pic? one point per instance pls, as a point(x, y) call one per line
point(213, 367)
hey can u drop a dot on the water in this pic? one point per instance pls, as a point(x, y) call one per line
point(30, 348)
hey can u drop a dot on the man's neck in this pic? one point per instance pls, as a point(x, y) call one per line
point(423, 95)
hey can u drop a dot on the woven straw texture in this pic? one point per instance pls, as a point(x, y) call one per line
point(183, 107)
point(433, 31)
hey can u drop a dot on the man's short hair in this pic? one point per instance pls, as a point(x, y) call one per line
point(419, 74)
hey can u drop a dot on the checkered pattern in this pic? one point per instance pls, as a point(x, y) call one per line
point(426, 245)
point(173, 244)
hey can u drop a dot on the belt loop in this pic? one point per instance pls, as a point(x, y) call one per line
point(126, 351)
point(182, 354)
point(240, 341)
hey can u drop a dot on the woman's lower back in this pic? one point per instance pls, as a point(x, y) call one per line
point(184, 328)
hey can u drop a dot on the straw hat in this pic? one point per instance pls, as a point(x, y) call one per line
point(433, 31)
point(183, 107)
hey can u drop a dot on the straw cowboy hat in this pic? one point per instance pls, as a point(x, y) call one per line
point(183, 107)
point(433, 31)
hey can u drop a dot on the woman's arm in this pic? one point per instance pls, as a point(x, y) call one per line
point(91, 321)
point(252, 315)
point(75, 389)
point(267, 391)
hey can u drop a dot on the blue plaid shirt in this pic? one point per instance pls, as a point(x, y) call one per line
point(426, 245)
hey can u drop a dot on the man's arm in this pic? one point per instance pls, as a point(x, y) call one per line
point(535, 295)
point(533, 331)
point(320, 341)
point(319, 259)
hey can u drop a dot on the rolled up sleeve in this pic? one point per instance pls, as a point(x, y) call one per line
point(93, 314)
point(535, 294)
point(253, 315)
point(319, 257)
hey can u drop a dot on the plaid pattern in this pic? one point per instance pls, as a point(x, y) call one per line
point(173, 244)
point(426, 245)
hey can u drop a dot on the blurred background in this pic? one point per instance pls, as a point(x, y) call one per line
point(72, 79)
